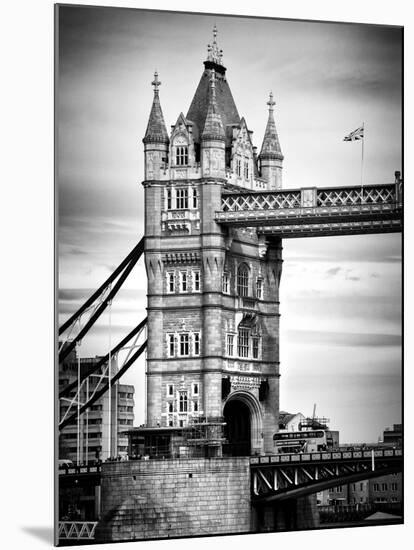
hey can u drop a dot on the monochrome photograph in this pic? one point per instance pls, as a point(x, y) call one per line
point(228, 230)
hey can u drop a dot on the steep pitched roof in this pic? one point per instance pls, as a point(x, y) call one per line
point(271, 146)
point(156, 129)
point(182, 120)
point(226, 107)
point(285, 418)
point(224, 101)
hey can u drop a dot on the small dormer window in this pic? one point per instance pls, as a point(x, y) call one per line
point(181, 155)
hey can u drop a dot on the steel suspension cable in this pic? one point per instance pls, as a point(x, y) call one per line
point(101, 392)
point(94, 368)
point(70, 346)
point(137, 250)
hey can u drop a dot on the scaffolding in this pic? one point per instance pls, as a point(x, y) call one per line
point(205, 431)
point(315, 423)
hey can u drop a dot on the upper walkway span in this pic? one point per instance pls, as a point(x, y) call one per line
point(316, 211)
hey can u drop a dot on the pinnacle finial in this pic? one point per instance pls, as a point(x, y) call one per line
point(271, 102)
point(156, 83)
point(213, 85)
point(213, 79)
point(214, 54)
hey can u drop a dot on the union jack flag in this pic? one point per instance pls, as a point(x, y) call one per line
point(355, 135)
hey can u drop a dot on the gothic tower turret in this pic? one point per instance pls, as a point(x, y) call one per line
point(271, 158)
point(156, 138)
point(213, 137)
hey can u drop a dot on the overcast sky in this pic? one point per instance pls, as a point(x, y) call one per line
point(340, 296)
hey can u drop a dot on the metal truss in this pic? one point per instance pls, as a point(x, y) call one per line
point(79, 530)
point(260, 201)
point(97, 303)
point(281, 477)
point(338, 210)
point(384, 194)
point(100, 376)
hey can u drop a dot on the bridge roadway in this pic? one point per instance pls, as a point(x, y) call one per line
point(276, 477)
point(273, 478)
point(316, 211)
point(289, 476)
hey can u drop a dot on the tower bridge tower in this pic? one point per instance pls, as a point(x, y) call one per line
point(213, 293)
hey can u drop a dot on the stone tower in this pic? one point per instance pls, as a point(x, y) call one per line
point(213, 293)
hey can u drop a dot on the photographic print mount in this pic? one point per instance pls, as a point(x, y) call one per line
point(206, 460)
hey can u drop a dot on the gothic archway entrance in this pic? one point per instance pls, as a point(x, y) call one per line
point(238, 428)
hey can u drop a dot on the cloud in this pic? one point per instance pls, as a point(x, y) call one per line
point(74, 294)
point(77, 251)
point(333, 271)
point(126, 301)
point(343, 339)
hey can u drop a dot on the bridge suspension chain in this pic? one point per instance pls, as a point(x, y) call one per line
point(98, 393)
point(97, 303)
point(122, 271)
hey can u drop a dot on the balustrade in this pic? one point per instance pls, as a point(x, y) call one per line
point(77, 530)
point(310, 198)
point(325, 456)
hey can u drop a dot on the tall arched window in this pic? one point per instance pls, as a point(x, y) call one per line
point(243, 280)
point(183, 401)
point(181, 155)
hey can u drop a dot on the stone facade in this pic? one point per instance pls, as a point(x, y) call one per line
point(173, 498)
point(213, 294)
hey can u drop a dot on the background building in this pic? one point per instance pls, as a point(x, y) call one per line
point(101, 427)
point(290, 422)
point(393, 436)
point(384, 490)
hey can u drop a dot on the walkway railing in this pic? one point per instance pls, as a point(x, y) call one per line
point(77, 530)
point(80, 470)
point(312, 197)
point(324, 457)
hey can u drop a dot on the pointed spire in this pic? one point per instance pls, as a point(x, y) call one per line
point(213, 127)
point(214, 54)
point(271, 146)
point(156, 129)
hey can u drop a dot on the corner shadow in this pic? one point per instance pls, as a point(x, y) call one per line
point(45, 534)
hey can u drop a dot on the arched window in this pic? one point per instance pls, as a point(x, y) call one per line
point(243, 280)
point(183, 401)
point(181, 155)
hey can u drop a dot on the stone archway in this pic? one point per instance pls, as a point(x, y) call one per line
point(243, 429)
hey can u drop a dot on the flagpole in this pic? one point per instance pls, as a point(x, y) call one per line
point(362, 162)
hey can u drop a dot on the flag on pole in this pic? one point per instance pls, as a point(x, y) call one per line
point(355, 135)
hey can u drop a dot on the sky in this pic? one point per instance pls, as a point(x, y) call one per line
point(340, 296)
